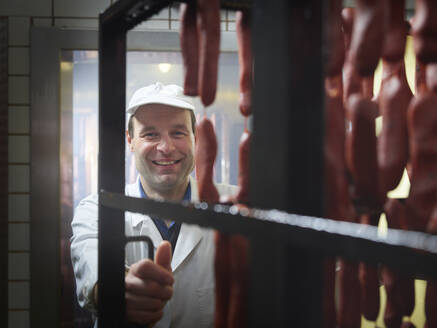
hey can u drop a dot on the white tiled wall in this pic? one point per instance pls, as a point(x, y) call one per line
point(22, 14)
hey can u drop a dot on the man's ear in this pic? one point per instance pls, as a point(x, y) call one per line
point(129, 141)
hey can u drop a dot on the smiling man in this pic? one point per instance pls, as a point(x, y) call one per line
point(173, 291)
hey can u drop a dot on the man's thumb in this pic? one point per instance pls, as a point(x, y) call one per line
point(163, 255)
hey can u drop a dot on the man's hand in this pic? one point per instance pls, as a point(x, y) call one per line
point(149, 287)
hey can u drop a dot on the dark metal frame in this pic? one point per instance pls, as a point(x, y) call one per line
point(286, 173)
point(4, 171)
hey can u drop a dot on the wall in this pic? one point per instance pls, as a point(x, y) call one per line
point(22, 14)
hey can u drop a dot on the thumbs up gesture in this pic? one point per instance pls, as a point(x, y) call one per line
point(149, 287)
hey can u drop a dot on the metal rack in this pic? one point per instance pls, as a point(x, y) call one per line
point(286, 173)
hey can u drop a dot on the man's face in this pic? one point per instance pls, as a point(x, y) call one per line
point(163, 146)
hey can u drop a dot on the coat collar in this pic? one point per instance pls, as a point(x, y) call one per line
point(189, 235)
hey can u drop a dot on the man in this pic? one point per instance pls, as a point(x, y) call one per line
point(173, 291)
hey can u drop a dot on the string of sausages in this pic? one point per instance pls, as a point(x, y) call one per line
point(200, 40)
point(360, 168)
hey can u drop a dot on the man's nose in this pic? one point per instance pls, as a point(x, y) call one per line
point(166, 145)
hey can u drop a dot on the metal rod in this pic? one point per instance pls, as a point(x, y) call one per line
point(410, 251)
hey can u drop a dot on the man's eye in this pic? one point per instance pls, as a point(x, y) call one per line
point(179, 134)
point(150, 135)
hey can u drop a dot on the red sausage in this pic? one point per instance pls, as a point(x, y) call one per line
point(205, 153)
point(431, 77)
point(394, 100)
point(349, 314)
point(395, 37)
point(189, 47)
point(334, 48)
point(208, 24)
point(422, 130)
point(361, 159)
point(222, 261)
point(369, 281)
point(399, 288)
point(242, 196)
point(368, 35)
point(424, 31)
point(352, 82)
point(237, 311)
point(242, 22)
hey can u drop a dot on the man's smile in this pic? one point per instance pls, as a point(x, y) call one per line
point(166, 163)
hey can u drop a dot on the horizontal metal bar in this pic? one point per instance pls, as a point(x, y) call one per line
point(409, 251)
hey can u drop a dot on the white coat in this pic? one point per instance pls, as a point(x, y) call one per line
point(192, 304)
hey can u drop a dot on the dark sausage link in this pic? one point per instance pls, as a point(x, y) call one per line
point(189, 47)
point(242, 22)
point(368, 35)
point(361, 158)
point(394, 100)
point(399, 287)
point(369, 281)
point(424, 31)
point(422, 130)
point(208, 23)
point(334, 48)
point(395, 37)
point(205, 153)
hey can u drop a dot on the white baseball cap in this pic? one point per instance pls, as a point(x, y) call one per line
point(157, 93)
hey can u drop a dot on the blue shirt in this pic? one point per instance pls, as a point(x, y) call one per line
point(170, 233)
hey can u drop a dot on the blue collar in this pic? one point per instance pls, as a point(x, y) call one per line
point(187, 196)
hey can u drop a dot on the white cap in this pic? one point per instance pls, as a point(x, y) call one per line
point(157, 93)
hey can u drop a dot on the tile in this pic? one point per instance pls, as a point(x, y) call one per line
point(19, 295)
point(18, 61)
point(152, 25)
point(18, 319)
point(18, 90)
point(80, 8)
point(223, 14)
point(18, 119)
point(18, 208)
point(42, 22)
point(175, 25)
point(18, 266)
point(89, 23)
point(18, 149)
point(19, 31)
point(18, 237)
point(231, 15)
point(231, 26)
point(19, 178)
point(25, 8)
point(163, 14)
point(174, 11)
point(223, 26)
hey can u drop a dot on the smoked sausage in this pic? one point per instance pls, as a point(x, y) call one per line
point(424, 31)
point(394, 99)
point(189, 47)
point(208, 25)
point(399, 287)
point(333, 44)
point(422, 130)
point(242, 22)
point(205, 153)
point(368, 35)
point(395, 37)
point(361, 158)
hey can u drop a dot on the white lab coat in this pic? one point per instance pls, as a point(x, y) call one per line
point(192, 304)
